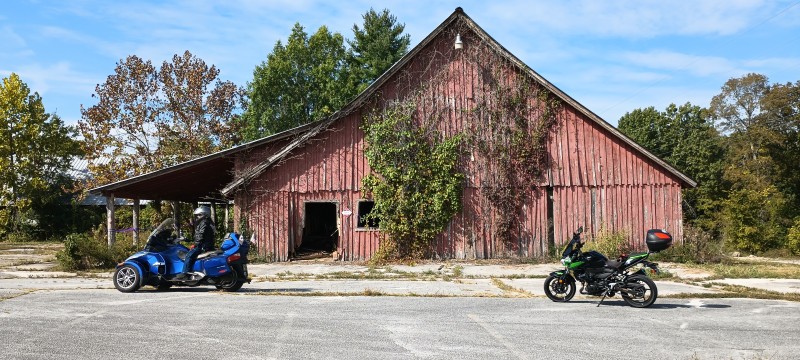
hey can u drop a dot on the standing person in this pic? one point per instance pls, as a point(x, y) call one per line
point(204, 233)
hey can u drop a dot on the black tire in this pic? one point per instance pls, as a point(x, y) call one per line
point(639, 291)
point(558, 289)
point(127, 279)
point(231, 284)
point(163, 286)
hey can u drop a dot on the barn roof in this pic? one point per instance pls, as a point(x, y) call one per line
point(212, 175)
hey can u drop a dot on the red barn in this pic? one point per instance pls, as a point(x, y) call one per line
point(303, 188)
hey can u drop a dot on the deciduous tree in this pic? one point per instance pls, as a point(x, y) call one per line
point(302, 81)
point(755, 215)
point(35, 153)
point(148, 118)
point(685, 137)
point(310, 77)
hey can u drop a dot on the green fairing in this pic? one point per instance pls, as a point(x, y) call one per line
point(575, 264)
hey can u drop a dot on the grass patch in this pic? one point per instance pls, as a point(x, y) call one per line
point(364, 293)
point(661, 275)
point(743, 270)
point(510, 289)
point(737, 291)
point(458, 271)
point(38, 248)
point(12, 296)
point(27, 262)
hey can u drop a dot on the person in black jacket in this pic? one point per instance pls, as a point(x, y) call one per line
point(204, 233)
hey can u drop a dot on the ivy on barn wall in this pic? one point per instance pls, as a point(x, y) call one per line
point(419, 170)
point(416, 182)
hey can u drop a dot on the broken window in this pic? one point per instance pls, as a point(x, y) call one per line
point(364, 209)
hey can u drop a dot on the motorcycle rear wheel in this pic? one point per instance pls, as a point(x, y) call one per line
point(232, 284)
point(559, 290)
point(644, 291)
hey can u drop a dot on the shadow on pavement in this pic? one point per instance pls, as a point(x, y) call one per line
point(657, 305)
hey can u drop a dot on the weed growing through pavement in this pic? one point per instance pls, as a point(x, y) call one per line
point(510, 289)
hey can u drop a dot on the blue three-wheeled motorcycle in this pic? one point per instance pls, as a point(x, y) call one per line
point(162, 259)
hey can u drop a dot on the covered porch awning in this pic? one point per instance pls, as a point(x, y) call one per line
point(197, 180)
point(201, 179)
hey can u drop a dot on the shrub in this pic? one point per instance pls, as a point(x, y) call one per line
point(793, 239)
point(699, 246)
point(752, 219)
point(91, 251)
point(18, 237)
point(610, 243)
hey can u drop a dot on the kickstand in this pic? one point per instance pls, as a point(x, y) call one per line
point(601, 300)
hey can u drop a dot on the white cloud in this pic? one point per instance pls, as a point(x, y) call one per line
point(633, 19)
point(674, 61)
point(773, 63)
point(57, 78)
point(10, 39)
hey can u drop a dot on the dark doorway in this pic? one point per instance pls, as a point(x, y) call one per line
point(320, 230)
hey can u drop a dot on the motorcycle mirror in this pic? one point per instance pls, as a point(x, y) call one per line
point(580, 230)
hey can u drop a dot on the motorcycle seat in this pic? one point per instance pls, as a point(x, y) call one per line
point(208, 254)
point(613, 264)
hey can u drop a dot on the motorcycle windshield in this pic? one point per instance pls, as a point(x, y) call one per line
point(166, 224)
point(568, 249)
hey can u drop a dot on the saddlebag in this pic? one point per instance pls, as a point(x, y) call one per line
point(658, 240)
point(215, 266)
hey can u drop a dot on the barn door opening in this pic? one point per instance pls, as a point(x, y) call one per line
point(320, 230)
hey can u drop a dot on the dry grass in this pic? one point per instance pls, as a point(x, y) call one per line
point(737, 291)
point(747, 270)
point(510, 290)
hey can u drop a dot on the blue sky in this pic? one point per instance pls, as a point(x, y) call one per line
point(612, 56)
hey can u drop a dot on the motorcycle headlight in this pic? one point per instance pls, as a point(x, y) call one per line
point(564, 261)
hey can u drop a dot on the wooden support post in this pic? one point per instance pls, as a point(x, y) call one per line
point(176, 216)
point(111, 225)
point(136, 223)
point(227, 226)
point(214, 212)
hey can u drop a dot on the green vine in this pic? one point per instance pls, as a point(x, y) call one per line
point(513, 118)
point(416, 182)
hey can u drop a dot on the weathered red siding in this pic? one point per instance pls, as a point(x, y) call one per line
point(596, 179)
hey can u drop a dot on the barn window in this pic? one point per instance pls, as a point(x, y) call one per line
point(365, 208)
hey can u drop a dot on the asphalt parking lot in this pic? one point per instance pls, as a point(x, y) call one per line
point(203, 324)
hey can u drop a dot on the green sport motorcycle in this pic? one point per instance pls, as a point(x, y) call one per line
point(602, 277)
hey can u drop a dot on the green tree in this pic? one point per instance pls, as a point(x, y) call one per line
point(148, 118)
point(302, 81)
point(752, 219)
point(685, 137)
point(35, 153)
point(756, 213)
point(781, 106)
point(376, 46)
